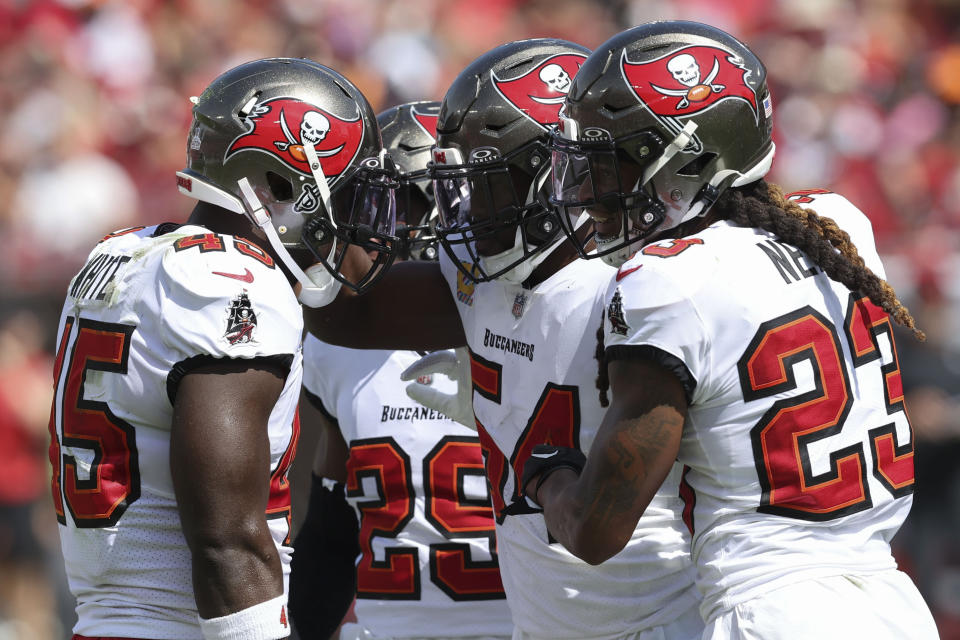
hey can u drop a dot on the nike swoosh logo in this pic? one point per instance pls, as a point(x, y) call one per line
point(243, 277)
point(544, 455)
point(623, 274)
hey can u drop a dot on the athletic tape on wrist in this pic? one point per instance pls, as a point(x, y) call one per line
point(265, 621)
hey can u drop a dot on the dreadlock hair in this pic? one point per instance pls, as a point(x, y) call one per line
point(603, 381)
point(761, 204)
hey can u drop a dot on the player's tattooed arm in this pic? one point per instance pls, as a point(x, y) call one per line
point(595, 514)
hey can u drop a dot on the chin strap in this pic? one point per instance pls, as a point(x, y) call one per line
point(621, 255)
point(318, 286)
point(321, 180)
point(523, 269)
point(753, 174)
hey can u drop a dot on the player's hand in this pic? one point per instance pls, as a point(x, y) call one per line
point(544, 460)
point(455, 364)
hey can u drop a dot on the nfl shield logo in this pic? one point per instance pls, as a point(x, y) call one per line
point(518, 304)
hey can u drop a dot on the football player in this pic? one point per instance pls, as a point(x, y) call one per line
point(179, 364)
point(750, 335)
point(511, 289)
point(411, 476)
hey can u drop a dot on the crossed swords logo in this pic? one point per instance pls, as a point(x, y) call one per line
point(295, 147)
point(685, 69)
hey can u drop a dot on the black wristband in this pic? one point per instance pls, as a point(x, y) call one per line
point(544, 460)
point(323, 569)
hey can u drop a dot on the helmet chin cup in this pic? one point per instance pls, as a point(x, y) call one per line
point(523, 269)
point(618, 255)
point(324, 290)
point(501, 261)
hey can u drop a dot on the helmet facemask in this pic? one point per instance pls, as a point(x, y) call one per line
point(497, 211)
point(409, 133)
point(611, 181)
point(417, 216)
point(362, 213)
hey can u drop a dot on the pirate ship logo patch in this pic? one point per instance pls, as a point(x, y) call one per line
point(618, 324)
point(241, 321)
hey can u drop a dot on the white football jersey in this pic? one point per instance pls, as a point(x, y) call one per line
point(534, 371)
point(141, 313)
point(428, 562)
point(797, 451)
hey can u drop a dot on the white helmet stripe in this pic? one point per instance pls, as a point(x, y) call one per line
point(676, 145)
point(318, 289)
point(320, 179)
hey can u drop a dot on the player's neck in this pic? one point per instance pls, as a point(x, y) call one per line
point(219, 220)
point(562, 255)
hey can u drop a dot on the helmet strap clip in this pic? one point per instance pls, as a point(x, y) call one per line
point(317, 290)
point(317, 170)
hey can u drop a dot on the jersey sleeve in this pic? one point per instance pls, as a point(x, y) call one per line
point(650, 315)
point(223, 304)
point(317, 382)
point(857, 225)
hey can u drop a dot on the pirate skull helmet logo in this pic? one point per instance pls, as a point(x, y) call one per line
point(539, 92)
point(554, 76)
point(315, 127)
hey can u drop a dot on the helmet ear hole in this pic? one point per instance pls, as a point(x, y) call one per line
point(280, 187)
point(696, 166)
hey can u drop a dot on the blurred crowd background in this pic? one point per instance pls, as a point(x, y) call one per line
point(94, 96)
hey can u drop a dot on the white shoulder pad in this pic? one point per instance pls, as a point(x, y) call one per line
point(849, 218)
point(222, 301)
point(649, 305)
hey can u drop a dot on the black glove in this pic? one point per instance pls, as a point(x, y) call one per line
point(544, 460)
point(323, 576)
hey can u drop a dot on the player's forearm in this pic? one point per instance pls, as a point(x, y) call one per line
point(588, 527)
point(233, 571)
point(594, 515)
